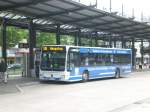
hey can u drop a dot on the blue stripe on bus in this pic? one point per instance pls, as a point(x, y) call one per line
point(98, 74)
point(104, 51)
point(75, 78)
point(99, 70)
point(106, 75)
point(91, 77)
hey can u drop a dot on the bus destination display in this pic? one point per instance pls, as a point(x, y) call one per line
point(51, 48)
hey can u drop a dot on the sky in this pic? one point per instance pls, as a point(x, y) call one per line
point(139, 6)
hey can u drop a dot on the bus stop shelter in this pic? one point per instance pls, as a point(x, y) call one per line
point(68, 17)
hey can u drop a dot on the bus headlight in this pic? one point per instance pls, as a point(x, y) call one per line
point(66, 75)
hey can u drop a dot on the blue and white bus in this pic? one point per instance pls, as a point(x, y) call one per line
point(75, 63)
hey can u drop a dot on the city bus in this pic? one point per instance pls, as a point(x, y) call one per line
point(76, 63)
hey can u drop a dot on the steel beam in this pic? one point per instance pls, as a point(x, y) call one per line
point(85, 19)
point(120, 27)
point(38, 16)
point(95, 25)
point(59, 13)
point(18, 5)
point(135, 30)
point(87, 16)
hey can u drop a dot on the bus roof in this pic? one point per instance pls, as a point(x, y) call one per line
point(68, 46)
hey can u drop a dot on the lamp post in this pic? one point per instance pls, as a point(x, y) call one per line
point(96, 3)
point(142, 17)
point(110, 6)
point(122, 10)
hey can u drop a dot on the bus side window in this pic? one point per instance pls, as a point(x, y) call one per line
point(108, 59)
point(112, 59)
point(81, 61)
point(92, 59)
point(84, 60)
point(97, 59)
point(73, 60)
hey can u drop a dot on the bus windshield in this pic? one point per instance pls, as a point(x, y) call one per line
point(53, 61)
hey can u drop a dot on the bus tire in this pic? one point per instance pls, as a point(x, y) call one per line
point(85, 76)
point(117, 74)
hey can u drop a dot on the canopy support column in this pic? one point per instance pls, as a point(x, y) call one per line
point(90, 35)
point(4, 47)
point(133, 53)
point(114, 43)
point(96, 39)
point(149, 53)
point(142, 53)
point(110, 41)
point(58, 35)
point(34, 38)
point(76, 39)
point(122, 43)
point(31, 46)
point(79, 37)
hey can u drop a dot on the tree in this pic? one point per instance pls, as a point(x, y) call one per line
point(45, 38)
point(15, 35)
point(67, 40)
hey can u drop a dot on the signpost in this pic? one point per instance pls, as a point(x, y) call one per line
point(23, 45)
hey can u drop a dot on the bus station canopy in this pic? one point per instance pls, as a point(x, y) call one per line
point(71, 16)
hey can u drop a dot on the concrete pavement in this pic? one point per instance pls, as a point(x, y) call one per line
point(138, 106)
point(14, 84)
point(129, 94)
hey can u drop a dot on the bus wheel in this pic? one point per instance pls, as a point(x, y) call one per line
point(85, 76)
point(117, 74)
